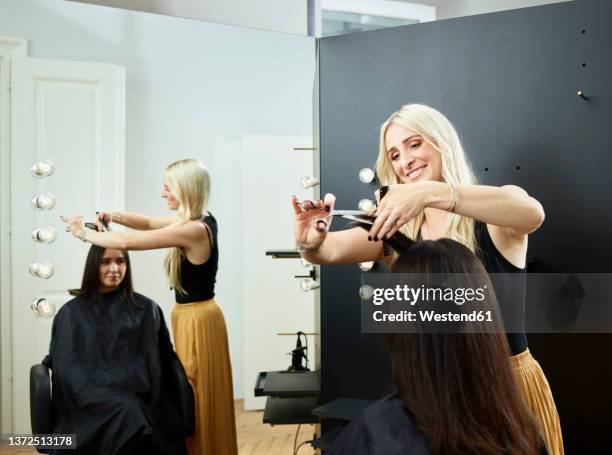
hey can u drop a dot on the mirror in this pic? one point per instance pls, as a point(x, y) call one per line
point(238, 99)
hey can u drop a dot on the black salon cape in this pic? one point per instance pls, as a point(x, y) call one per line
point(384, 428)
point(109, 360)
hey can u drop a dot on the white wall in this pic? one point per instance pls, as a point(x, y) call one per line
point(193, 89)
point(288, 16)
point(456, 8)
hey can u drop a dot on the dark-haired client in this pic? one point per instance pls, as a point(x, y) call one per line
point(111, 355)
point(455, 391)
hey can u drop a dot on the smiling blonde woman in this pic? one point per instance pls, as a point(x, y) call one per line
point(434, 194)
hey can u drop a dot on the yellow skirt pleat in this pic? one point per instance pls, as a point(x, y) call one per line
point(200, 339)
point(539, 397)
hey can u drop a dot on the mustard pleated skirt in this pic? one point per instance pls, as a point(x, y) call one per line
point(539, 397)
point(200, 339)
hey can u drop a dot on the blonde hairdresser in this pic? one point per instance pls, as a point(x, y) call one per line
point(433, 194)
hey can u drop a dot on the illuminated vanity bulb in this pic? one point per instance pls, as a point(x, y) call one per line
point(366, 292)
point(305, 263)
point(309, 284)
point(43, 201)
point(42, 307)
point(44, 235)
point(366, 266)
point(309, 182)
point(42, 169)
point(366, 175)
point(366, 205)
point(41, 269)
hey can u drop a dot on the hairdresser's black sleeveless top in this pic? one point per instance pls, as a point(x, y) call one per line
point(510, 286)
point(199, 280)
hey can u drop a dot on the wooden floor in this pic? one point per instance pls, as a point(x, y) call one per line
point(254, 437)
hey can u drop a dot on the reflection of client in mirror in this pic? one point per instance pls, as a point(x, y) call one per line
point(455, 391)
point(198, 324)
point(112, 361)
point(433, 193)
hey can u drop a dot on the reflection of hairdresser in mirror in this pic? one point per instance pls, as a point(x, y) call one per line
point(111, 358)
point(455, 391)
point(198, 324)
point(433, 194)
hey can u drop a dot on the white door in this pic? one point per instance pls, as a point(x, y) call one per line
point(73, 114)
point(273, 300)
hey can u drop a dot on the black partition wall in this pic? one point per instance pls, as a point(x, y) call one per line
point(509, 83)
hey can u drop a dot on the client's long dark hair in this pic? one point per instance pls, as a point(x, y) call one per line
point(90, 286)
point(459, 387)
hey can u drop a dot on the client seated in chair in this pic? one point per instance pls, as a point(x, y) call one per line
point(114, 368)
point(455, 391)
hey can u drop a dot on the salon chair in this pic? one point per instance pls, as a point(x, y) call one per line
point(41, 408)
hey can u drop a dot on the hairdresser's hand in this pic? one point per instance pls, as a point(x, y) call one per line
point(402, 203)
point(76, 225)
point(311, 226)
point(103, 218)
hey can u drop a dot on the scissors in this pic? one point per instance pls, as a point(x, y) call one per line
point(94, 226)
point(365, 219)
point(358, 217)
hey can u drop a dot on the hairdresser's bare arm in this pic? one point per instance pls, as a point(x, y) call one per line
point(190, 236)
point(509, 207)
point(508, 211)
point(137, 220)
point(346, 247)
point(510, 214)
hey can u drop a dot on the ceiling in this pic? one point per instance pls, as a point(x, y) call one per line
point(424, 2)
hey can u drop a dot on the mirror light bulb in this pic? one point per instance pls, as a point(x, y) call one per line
point(43, 201)
point(42, 307)
point(44, 235)
point(366, 266)
point(42, 269)
point(309, 182)
point(42, 169)
point(309, 284)
point(366, 292)
point(366, 175)
point(366, 205)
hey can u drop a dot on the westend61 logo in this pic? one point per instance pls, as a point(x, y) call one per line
point(426, 303)
point(412, 295)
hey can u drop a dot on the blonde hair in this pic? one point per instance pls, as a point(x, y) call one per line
point(190, 185)
point(437, 131)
